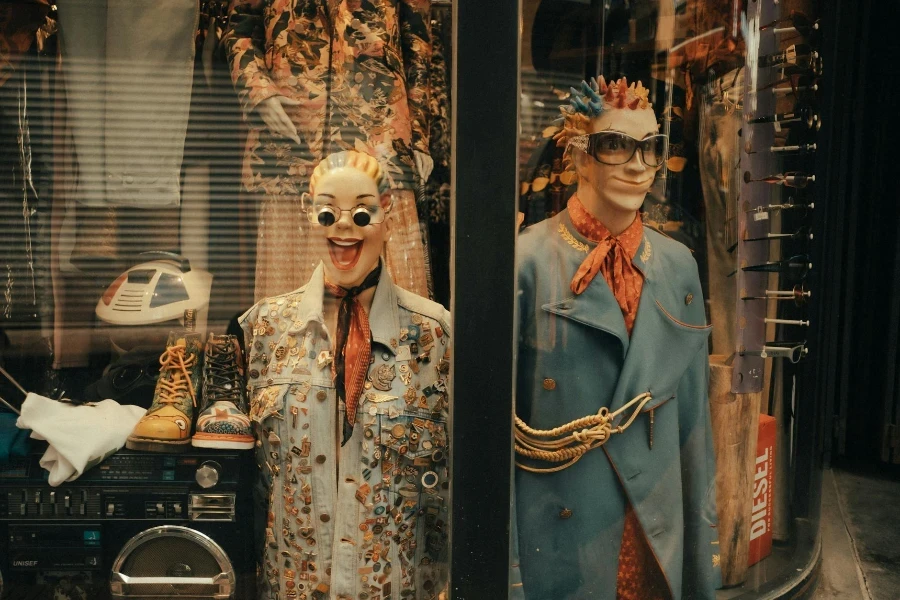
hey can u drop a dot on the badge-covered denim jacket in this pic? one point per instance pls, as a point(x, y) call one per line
point(369, 519)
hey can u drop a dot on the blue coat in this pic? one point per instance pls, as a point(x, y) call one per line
point(574, 357)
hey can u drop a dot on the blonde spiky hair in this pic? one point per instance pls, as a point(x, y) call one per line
point(348, 158)
point(595, 97)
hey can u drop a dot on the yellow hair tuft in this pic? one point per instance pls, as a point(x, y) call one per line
point(363, 163)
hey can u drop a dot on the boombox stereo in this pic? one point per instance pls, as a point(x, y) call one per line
point(139, 525)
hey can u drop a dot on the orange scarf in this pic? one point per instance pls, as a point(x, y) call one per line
point(612, 257)
point(353, 347)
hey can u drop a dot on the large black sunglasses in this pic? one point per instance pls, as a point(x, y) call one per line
point(614, 148)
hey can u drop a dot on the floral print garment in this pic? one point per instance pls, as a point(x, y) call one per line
point(18, 24)
point(359, 70)
point(437, 209)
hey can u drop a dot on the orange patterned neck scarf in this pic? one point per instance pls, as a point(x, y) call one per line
point(353, 347)
point(612, 257)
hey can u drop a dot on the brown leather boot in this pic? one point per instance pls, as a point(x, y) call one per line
point(167, 425)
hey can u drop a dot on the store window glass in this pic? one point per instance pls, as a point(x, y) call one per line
point(224, 335)
point(667, 192)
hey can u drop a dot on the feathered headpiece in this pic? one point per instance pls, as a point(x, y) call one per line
point(595, 97)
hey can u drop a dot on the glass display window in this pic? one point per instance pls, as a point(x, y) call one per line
point(665, 281)
point(440, 299)
point(226, 344)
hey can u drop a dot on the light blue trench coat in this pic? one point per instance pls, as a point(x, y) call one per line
point(575, 356)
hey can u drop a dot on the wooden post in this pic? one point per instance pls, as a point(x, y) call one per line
point(735, 419)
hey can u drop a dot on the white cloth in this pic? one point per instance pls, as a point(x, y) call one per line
point(80, 437)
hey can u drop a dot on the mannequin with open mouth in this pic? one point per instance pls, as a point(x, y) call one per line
point(349, 392)
point(351, 212)
point(346, 206)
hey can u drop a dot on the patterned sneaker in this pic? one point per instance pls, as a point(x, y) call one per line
point(167, 425)
point(223, 420)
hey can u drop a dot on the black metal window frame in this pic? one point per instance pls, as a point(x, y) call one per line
point(485, 98)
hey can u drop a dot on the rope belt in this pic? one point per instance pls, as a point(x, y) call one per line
point(568, 443)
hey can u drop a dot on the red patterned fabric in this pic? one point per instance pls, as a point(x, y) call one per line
point(640, 576)
point(612, 257)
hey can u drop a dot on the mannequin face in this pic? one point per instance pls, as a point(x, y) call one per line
point(353, 250)
point(616, 192)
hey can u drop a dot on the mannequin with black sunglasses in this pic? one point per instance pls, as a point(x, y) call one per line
point(617, 165)
point(612, 352)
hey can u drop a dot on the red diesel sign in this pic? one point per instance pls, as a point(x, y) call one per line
point(763, 483)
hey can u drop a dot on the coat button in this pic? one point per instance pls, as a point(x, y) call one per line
point(565, 513)
point(320, 459)
point(324, 517)
point(689, 298)
point(549, 384)
point(321, 395)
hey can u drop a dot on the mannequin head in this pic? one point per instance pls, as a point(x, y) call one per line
point(347, 205)
point(614, 172)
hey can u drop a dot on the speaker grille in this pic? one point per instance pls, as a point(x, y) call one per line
point(172, 562)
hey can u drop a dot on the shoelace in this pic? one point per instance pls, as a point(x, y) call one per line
point(222, 372)
point(176, 379)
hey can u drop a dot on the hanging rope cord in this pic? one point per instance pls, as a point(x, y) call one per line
point(568, 443)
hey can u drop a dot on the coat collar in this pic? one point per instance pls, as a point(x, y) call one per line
point(647, 355)
point(596, 306)
point(384, 318)
point(643, 259)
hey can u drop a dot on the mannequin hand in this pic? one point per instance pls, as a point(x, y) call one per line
point(209, 48)
point(271, 110)
point(424, 164)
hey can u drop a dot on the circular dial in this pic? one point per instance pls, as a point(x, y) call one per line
point(208, 474)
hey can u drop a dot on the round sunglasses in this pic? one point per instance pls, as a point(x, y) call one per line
point(327, 215)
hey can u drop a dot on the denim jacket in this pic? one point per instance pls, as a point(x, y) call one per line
point(369, 519)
